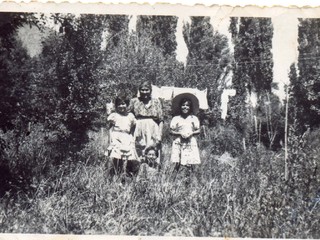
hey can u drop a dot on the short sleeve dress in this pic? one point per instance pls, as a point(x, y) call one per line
point(149, 116)
point(121, 141)
point(185, 151)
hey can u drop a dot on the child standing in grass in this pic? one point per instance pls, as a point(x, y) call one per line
point(184, 126)
point(122, 147)
point(150, 167)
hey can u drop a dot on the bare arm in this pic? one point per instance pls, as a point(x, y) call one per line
point(196, 132)
point(176, 131)
point(195, 128)
point(133, 128)
point(110, 124)
point(160, 130)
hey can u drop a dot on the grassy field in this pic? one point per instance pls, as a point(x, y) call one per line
point(228, 195)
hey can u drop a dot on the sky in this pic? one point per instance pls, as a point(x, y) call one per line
point(31, 39)
point(284, 42)
point(284, 49)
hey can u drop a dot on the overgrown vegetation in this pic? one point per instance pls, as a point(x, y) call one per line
point(54, 177)
point(241, 196)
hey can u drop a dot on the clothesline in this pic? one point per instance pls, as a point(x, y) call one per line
point(208, 64)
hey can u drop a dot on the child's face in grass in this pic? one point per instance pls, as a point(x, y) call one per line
point(122, 108)
point(151, 155)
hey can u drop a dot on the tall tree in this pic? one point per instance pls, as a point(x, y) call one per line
point(139, 56)
point(116, 28)
point(252, 53)
point(252, 67)
point(307, 87)
point(296, 96)
point(208, 60)
point(161, 31)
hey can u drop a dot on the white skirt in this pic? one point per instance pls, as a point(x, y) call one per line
point(122, 146)
point(147, 132)
point(185, 151)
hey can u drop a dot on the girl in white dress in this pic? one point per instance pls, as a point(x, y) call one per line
point(184, 127)
point(122, 147)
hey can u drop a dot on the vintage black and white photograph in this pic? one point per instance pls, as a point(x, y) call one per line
point(153, 123)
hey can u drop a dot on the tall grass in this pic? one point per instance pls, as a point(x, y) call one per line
point(241, 194)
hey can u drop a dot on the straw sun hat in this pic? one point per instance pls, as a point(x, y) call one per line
point(176, 101)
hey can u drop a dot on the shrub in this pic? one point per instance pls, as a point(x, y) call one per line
point(222, 139)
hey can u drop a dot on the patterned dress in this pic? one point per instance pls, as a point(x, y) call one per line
point(149, 116)
point(121, 141)
point(185, 151)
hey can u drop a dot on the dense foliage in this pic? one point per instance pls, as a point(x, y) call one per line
point(306, 87)
point(255, 110)
point(54, 176)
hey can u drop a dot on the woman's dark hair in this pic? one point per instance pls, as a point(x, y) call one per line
point(121, 99)
point(146, 84)
point(148, 149)
point(183, 100)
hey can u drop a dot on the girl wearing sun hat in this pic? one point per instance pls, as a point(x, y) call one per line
point(184, 126)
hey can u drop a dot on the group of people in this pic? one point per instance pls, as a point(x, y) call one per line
point(136, 131)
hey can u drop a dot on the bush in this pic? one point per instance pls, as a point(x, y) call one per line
point(222, 139)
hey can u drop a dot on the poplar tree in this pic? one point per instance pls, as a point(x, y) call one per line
point(306, 89)
point(161, 31)
point(296, 96)
point(252, 66)
point(252, 53)
point(208, 60)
